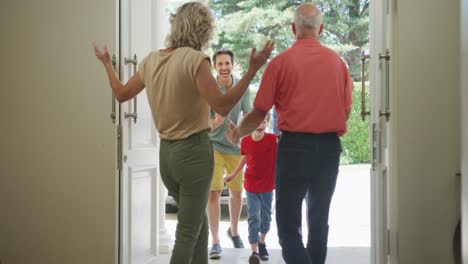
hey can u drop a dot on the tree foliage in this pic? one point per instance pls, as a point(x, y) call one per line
point(250, 23)
point(356, 142)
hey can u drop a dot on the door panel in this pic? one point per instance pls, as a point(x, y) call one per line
point(142, 218)
point(380, 32)
point(144, 134)
point(58, 174)
point(140, 144)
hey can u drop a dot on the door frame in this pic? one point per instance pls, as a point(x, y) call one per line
point(380, 30)
point(464, 127)
point(156, 27)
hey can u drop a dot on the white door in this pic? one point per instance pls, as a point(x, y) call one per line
point(139, 174)
point(58, 179)
point(379, 67)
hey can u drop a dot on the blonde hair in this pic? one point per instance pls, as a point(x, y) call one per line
point(191, 26)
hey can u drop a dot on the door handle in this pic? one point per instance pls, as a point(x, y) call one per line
point(133, 115)
point(113, 113)
point(364, 113)
point(386, 57)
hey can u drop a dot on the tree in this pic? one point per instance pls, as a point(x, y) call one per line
point(347, 25)
point(249, 23)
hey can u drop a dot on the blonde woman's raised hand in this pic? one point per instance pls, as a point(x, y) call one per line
point(258, 59)
point(103, 55)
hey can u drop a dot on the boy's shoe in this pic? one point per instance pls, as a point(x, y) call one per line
point(236, 240)
point(215, 252)
point(253, 259)
point(262, 251)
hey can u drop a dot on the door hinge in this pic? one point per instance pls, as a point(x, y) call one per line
point(392, 250)
point(119, 147)
point(388, 242)
point(375, 147)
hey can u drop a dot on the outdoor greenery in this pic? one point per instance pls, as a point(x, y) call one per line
point(356, 143)
point(245, 24)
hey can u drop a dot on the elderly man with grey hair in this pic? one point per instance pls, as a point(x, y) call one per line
point(311, 89)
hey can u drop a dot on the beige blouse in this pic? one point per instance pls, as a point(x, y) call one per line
point(178, 109)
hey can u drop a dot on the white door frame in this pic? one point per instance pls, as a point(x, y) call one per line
point(380, 83)
point(380, 32)
point(464, 127)
point(159, 30)
point(139, 176)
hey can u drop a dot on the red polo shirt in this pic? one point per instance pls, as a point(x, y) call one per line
point(310, 87)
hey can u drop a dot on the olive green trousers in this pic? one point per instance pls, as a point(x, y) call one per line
point(186, 168)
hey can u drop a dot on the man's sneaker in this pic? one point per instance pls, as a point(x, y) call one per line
point(253, 259)
point(236, 240)
point(262, 251)
point(215, 252)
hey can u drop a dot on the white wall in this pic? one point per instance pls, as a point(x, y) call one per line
point(426, 127)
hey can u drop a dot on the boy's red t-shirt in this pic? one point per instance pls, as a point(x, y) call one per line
point(259, 175)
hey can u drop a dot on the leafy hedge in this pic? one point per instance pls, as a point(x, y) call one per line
point(356, 143)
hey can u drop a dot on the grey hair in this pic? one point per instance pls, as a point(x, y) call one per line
point(307, 21)
point(191, 26)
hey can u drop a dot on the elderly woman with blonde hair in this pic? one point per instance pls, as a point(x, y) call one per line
point(181, 89)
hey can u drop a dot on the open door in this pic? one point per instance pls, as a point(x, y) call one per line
point(380, 116)
point(58, 179)
point(141, 190)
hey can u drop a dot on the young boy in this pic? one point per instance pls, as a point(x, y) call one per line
point(259, 153)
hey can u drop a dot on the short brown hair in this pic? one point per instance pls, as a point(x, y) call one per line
point(221, 52)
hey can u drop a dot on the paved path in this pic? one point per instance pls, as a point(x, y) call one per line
point(338, 255)
point(349, 215)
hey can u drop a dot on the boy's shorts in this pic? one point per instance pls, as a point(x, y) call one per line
point(223, 166)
